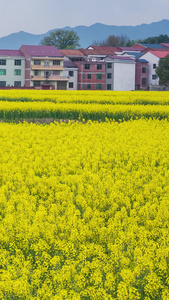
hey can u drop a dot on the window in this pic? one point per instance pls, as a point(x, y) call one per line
point(17, 83)
point(37, 73)
point(37, 62)
point(109, 65)
point(36, 83)
point(88, 76)
point(154, 77)
point(2, 62)
point(98, 86)
point(70, 85)
point(108, 86)
point(17, 62)
point(99, 67)
point(71, 73)
point(99, 76)
point(83, 86)
point(56, 62)
point(89, 86)
point(83, 76)
point(2, 72)
point(143, 69)
point(87, 66)
point(154, 66)
point(46, 63)
point(17, 72)
point(108, 75)
point(144, 81)
point(2, 83)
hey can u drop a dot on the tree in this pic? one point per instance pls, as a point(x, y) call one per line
point(113, 41)
point(163, 70)
point(162, 38)
point(62, 39)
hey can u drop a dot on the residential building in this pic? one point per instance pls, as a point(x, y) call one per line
point(91, 75)
point(120, 73)
point(71, 71)
point(153, 58)
point(141, 78)
point(44, 68)
point(12, 68)
point(141, 69)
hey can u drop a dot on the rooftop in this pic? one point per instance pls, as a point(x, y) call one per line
point(100, 50)
point(142, 60)
point(69, 64)
point(139, 49)
point(160, 54)
point(166, 45)
point(41, 50)
point(10, 53)
point(135, 54)
point(71, 52)
point(152, 46)
point(122, 57)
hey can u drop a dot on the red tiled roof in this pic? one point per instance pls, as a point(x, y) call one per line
point(71, 52)
point(42, 50)
point(160, 54)
point(104, 48)
point(11, 53)
point(138, 46)
point(100, 50)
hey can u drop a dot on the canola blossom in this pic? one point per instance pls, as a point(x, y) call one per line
point(84, 210)
point(17, 105)
point(84, 97)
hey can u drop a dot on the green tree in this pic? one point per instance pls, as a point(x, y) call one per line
point(62, 39)
point(162, 38)
point(113, 41)
point(163, 71)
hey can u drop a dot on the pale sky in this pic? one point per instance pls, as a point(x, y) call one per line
point(40, 16)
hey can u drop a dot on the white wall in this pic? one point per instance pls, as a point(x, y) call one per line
point(73, 78)
point(124, 76)
point(10, 78)
point(152, 59)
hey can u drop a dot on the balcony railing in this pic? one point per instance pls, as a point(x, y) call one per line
point(49, 78)
point(45, 67)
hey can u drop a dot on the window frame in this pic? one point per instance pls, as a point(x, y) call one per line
point(144, 81)
point(109, 65)
point(17, 62)
point(17, 72)
point(2, 62)
point(99, 76)
point(99, 66)
point(87, 66)
point(98, 86)
point(144, 70)
point(2, 70)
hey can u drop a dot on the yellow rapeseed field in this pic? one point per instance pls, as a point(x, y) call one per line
point(84, 206)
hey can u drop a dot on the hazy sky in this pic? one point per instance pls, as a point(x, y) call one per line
point(40, 16)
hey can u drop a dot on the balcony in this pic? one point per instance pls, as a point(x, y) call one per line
point(50, 78)
point(47, 67)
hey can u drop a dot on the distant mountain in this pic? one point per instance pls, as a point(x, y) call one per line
point(88, 34)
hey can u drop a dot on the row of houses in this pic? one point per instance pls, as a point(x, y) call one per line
point(94, 68)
